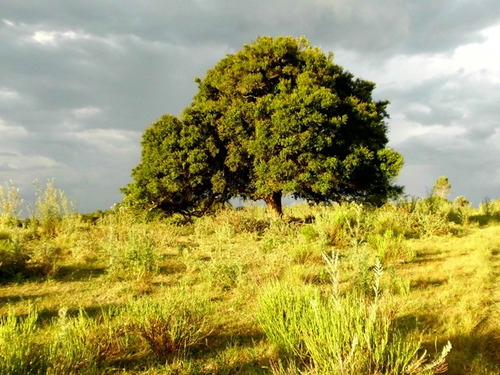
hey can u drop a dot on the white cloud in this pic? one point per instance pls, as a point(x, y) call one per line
point(53, 38)
point(8, 94)
point(11, 131)
point(481, 57)
point(406, 129)
point(109, 141)
point(8, 22)
point(85, 112)
point(403, 71)
point(18, 162)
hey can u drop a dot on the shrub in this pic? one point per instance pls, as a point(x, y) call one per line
point(133, 256)
point(426, 217)
point(170, 325)
point(391, 246)
point(224, 271)
point(10, 205)
point(336, 334)
point(13, 258)
point(22, 259)
point(51, 207)
point(346, 224)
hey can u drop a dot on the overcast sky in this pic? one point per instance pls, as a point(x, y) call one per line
point(81, 80)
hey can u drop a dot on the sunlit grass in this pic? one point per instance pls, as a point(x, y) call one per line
point(440, 281)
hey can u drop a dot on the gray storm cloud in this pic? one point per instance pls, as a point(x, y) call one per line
point(80, 81)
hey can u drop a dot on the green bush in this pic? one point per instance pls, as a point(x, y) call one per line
point(391, 246)
point(10, 205)
point(51, 207)
point(133, 256)
point(171, 325)
point(22, 258)
point(339, 334)
point(342, 225)
point(223, 271)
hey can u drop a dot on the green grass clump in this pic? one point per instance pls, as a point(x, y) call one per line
point(20, 352)
point(339, 334)
point(82, 344)
point(13, 259)
point(132, 256)
point(170, 325)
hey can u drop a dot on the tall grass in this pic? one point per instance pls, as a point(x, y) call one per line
point(170, 325)
point(129, 246)
point(20, 352)
point(340, 334)
point(82, 344)
point(50, 208)
point(10, 205)
point(132, 257)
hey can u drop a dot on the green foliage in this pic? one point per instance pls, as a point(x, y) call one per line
point(10, 205)
point(223, 271)
point(339, 334)
point(19, 351)
point(277, 118)
point(171, 325)
point(82, 344)
point(51, 207)
point(20, 260)
point(132, 256)
point(391, 246)
point(179, 171)
point(13, 258)
point(441, 188)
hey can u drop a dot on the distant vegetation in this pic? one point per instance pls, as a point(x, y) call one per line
point(411, 287)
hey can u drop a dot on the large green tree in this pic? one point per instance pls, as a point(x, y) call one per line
point(278, 117)
point(179, 171)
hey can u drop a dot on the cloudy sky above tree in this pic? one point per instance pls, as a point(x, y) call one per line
point(80, 81)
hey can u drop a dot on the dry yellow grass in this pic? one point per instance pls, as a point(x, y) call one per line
point(454, 296)
point(449, 291)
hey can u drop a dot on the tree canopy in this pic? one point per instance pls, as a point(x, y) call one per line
point(277, 118)
point(442, 187)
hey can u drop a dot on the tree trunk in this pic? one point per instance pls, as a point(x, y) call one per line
point(273, 203)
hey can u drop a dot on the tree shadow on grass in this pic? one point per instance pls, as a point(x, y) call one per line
point(235, 353)
point(218, 353)
point(47, 315)
point(470, 354)
point(474, 353)
point(414, 322)
point(21, 298)
point(428, 257)
point(78, 273)
point(427, 283)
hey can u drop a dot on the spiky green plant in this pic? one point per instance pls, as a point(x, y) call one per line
point(20, 353)
point(339, 334)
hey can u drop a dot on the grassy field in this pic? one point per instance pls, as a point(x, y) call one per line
point(408, 288)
